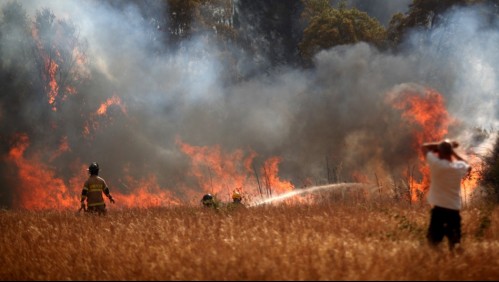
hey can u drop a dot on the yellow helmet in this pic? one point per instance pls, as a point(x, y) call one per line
point(236, 195)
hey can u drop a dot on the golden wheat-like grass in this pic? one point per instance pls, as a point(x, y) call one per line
point(327, 241)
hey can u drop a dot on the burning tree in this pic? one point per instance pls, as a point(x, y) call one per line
point(59, 56)
point(43, 61)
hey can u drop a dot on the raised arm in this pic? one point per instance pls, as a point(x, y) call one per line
point(430, 146)
point(434, 147)
point(458, 157)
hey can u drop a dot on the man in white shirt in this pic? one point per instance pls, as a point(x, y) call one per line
point(447, 169)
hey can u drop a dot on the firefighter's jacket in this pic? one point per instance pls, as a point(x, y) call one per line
point(93, 189)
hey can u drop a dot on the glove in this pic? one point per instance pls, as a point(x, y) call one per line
point(82, 205)
point(111, 199)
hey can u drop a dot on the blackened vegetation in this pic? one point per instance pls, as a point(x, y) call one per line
point(490, 174)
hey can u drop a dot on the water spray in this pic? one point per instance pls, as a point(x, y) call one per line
point(312, 189)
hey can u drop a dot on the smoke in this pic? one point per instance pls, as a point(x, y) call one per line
point(336, 112)
point(463, 66)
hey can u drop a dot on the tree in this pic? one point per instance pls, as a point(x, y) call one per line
point(422, 14)
point(60, 56)
point(270, 31)
point(42, 64)
point(215, 16)
point(314, 7)
point(329, 27)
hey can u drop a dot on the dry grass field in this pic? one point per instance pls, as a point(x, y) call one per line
point(327, 241)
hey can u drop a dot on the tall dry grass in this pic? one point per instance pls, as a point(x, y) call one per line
point(328, 241)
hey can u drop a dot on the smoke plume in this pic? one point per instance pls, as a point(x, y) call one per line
point(336, 115)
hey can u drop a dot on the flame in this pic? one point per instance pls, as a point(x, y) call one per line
point(270, 171)
point(220, 173)
point(50, 68)
point(92, 124)
point(53, 90)
point(37, 185)
point(146, 193)
point(426, 111)
point(115, 100)
point(55, 68)
point(472, 180)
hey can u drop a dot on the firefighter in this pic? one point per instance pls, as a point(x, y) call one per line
point(236, 201)
point(208, 201)
point(92, 191)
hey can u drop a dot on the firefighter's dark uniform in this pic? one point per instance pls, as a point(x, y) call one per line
point(92, 192)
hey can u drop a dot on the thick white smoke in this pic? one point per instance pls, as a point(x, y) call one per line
point(335, 111)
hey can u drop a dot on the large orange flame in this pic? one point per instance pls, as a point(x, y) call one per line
point(145, 193)
point(221, 174)
point(270, 172)
point(425, 111)
point(37, 185)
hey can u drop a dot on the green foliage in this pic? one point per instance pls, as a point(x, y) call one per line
point(314, 7)
point(422, 14)
point(329, 27)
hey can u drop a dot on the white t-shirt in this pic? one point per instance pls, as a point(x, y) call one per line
point(445, 181)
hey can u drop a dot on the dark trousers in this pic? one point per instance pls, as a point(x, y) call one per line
point(444, 223)
point(101, 210)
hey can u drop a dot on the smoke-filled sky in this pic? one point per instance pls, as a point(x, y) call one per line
point(338, 111)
